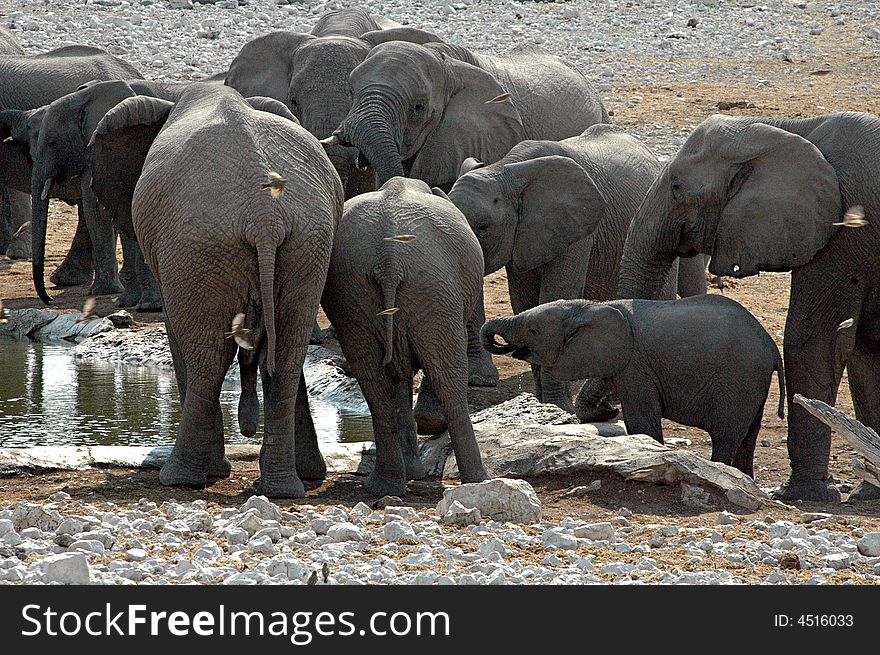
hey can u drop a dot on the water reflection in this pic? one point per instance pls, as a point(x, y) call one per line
point(47, 397)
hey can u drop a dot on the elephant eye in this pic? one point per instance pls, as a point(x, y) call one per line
point(418, 108)
point(533, 331)
point(495, 201)
point(482, 229)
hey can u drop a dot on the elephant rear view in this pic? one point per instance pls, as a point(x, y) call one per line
point(421, 110)
point(235, 209)
point(405, 274)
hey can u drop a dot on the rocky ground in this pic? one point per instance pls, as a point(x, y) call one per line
point(661, 67)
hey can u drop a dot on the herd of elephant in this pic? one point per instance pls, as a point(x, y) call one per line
point(380, 172)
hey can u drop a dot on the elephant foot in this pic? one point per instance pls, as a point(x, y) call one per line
point(176, 473)
point(150, 305)
point(129, 298)
point(283, 486)
point(600, 413)
point(220, 469)
point(562, 403)
point(415, 469)
point(311, 466)
point(865, 491)
point(482, 371)
point(381, 486)
point(478, 475)
point(317, 336)
point(795, 489)
point(106, 287)
point(70, 275)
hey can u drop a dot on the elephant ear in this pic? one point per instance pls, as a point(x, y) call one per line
point(479, 120)
point(271, 106)
point(409, 34)
point(598, 344)
point(263, 66)
point(559, 204)
point(119, 146)
point(781, 205)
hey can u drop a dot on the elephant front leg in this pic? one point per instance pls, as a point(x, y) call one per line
point(429, 416)
point(310, 463)
point(278, 474)
point(482, 371)
point(76, 268)
point(863, 367)
point(128, 276)
point(553, 391)
point(103, 238)
point(815, 352)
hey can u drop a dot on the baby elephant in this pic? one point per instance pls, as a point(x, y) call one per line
point(405, 273)
point(703, 361)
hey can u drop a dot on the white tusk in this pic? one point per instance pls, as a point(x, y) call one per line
point(330, 141)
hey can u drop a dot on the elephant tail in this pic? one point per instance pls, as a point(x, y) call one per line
point(780, 374)
point(389, 274)
point(266, 269)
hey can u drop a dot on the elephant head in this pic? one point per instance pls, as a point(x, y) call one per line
point(750, 194)
point(525, 213)
point(417, 106)
point(575, 339)
point(18, 131)
point(310, 75)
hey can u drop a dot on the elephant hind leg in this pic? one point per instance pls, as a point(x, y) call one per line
point(310, 464)
point(388, 477)
point(406, 428)
point(744, 456)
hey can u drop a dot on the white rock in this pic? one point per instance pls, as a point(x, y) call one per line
point(462, 516)
point(837, 561)
point(501, 499)
point(263, 546)
point(135, 554)
point(558, 538)
point(348, 532)
point(400, 532)
point(595, 532)
point(869, 545)
point(726, 518)
point(266, 509)
point(6, 527)
point(67, 568)
point(29, 515)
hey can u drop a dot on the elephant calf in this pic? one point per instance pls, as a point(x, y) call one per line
point(404, 275)
point(703, 361)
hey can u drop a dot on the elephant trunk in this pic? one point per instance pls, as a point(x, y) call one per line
point(41, 188)
point(649, 250)
point(370, 128)
point(497, 327)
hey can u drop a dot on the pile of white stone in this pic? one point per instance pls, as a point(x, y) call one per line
point(491, 533)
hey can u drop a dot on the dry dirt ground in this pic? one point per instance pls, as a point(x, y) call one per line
point(793, 92)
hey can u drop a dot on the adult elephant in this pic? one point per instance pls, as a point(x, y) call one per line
point(769, 195)
point(14, 205)
point(236, 209)
point(31, 82)
point(56, 137)
point(309, 73)
point(555, 214)
point(421, 110)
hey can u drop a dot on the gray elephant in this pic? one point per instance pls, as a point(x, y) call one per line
point(14, 205)
point(31, 82)
point(235, 209)
point(309, 73)
point(57, 138)
point(658, 356)
point(555, 214)
point(770, 195)
point(405, 273)
point(421, 110)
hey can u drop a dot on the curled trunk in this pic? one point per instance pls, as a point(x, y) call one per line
point(497, 327)
point(370, 128)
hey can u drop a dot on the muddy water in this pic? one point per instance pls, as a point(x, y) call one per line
point(47, 397)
